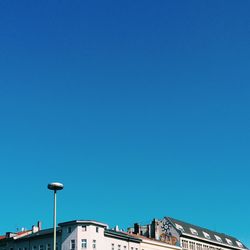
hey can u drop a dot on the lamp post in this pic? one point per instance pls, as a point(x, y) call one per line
point(55, 186)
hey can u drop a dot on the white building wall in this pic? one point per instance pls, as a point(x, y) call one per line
point(92, 233)
point(102, 242)
point(157, 245)
point(124, 244)
point(193, 244)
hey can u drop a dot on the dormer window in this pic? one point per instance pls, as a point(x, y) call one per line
point(218, 238)
point(206, 235)
point(193, 231)
point(239, 244)
point(179, 227)
point(229, 241)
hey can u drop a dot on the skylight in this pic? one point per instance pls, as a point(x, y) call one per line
point(193, 231)
point(239, 244)
point(179, 227)
point(206, 235)
point(229, 241)
point(218, 238)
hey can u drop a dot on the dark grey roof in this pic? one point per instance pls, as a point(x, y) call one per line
point(187, 230)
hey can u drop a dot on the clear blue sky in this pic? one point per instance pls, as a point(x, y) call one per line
point(141, 108)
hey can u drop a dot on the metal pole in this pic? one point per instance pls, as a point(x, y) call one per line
point(55, 186)
point(54, 245)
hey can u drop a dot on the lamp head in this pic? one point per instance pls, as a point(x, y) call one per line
point(55, 186)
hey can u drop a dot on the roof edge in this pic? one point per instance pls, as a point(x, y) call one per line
point(88, 222)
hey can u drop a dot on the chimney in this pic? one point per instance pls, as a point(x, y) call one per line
point(39, 225)
point(137, 228)
point(149, 230)
point(154, 229)
point(35, 229)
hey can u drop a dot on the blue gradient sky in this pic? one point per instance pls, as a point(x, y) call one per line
point(141, 108)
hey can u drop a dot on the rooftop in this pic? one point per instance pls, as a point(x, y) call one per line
point(206, 234)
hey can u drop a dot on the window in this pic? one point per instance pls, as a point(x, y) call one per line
point(198, 246)
point(229, 241)
point(239, 244)
point(125, 248)
point(84, 228)
point(19, 248)
point(179, 227)
point(25, 248)
point(48, 247)
point(40, 247)
point(191, 245)
point(94, 244)
point(72, 244)
point(132, 248)
point(56, 245)
point(112, 246)
point(34, 247)
point(205, 247)
point(184, 244)
point(84, 243)
point(119, 247)
point(97, 229)
point(206, 235)
point(193, 231)
point(218, 238)
point(69, 230)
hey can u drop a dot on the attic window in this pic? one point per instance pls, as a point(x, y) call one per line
point(218, 238)
point(193, 231)
point(206, 235)
point(229, 241)
point(179, 227)
point(239, 244)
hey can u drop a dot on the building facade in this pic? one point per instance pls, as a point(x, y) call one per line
point(81, 235)
point(164, 234)
point(186, 235)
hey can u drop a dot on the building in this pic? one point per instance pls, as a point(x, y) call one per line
point(164, 234)
point(81, 235)
point(188, 236)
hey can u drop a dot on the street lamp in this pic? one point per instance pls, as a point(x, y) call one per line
point(55, 186)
